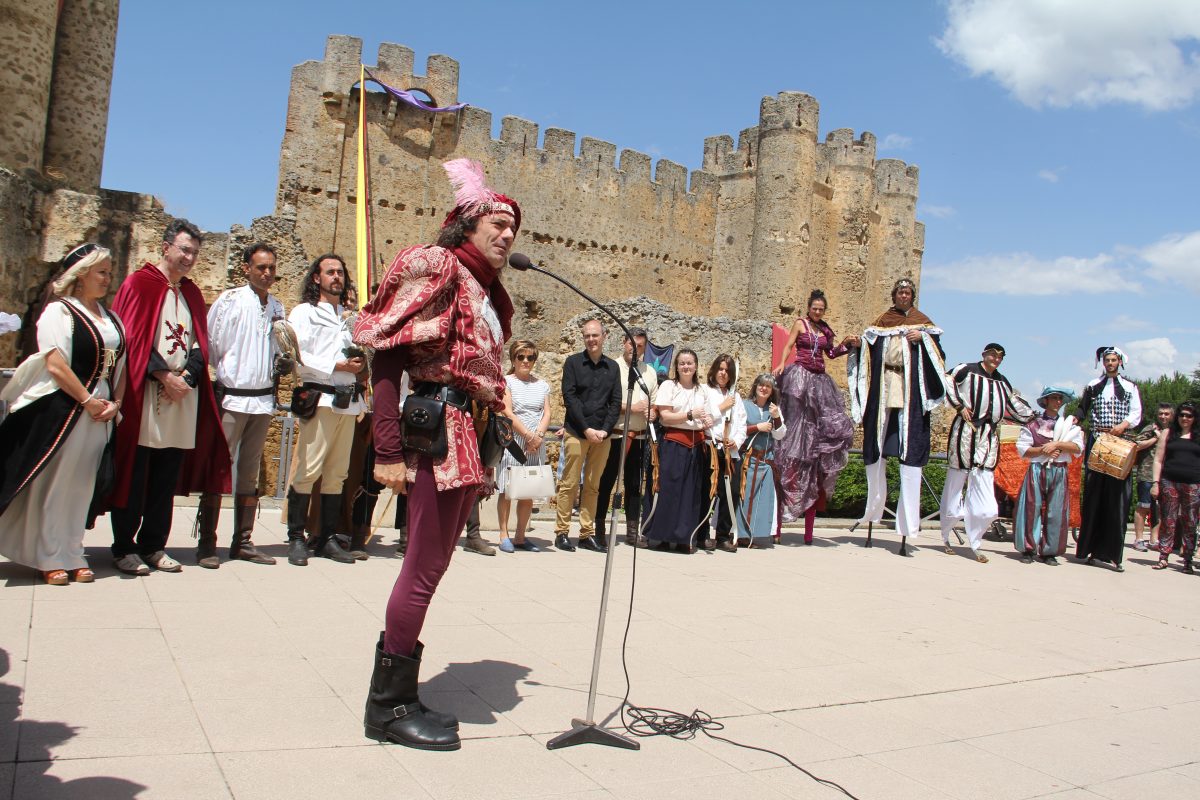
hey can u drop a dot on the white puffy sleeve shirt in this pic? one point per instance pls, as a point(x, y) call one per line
point(241, 350)
point(323, 336)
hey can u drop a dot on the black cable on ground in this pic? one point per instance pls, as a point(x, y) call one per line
point(644, 721)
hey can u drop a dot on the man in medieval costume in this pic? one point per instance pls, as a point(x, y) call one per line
point(170, 441)
point(1111, 404)
point(897, 377)
point(983, 398)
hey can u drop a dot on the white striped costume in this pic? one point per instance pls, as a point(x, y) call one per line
point(991, 398)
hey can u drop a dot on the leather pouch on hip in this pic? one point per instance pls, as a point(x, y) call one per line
point(424, 428)
point(305, 401)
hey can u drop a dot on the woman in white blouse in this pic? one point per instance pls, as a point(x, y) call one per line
point(686, 409)
point(62, 414)
point(727, 433)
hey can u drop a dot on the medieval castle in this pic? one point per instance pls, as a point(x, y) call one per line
point(745, 237)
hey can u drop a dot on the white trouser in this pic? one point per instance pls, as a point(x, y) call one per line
point(977, 510)
point(908, 507)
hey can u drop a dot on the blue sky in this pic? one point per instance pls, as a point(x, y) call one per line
point(1057, 142)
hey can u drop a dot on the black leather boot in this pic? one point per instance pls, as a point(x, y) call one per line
point(297, 514)
point(441, 718)
point(207, 516)
point(394, 712)
point(327, 545)
point(244, 510)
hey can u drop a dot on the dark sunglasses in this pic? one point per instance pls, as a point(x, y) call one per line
point(521, 357)
point(1187, 414)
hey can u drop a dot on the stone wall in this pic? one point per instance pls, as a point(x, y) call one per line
point(746, 236)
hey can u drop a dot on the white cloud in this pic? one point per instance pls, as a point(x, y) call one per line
point(1051, 175)
point(1149, 358)
point(1175, 258)
point(941, 212)
point(1123, 322)
point(895, 141)
point(1080, 52)
point(1024, 274)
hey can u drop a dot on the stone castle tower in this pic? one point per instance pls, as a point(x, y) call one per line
point(747, 236)
point(744, 237)
point(56, 60)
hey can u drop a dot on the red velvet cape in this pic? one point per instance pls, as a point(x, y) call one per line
point(138, 304)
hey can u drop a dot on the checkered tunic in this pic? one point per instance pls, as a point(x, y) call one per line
point(1105, 409)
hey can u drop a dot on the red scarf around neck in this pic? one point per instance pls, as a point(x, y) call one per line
point(489, 278)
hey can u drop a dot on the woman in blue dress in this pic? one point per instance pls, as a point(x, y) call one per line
point(758, 514)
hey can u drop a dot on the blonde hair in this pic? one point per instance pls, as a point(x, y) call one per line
point(77, 267)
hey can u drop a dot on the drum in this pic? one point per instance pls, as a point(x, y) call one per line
point(1112, 456)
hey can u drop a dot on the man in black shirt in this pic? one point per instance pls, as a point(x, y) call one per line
point(592, 397)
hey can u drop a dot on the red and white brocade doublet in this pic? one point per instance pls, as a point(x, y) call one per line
point(430, 306)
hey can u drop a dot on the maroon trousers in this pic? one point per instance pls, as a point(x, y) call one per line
point(435, 520)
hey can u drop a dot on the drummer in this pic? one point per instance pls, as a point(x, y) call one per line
point(1111, 404)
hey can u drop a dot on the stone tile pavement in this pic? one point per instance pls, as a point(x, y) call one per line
point(924, 678)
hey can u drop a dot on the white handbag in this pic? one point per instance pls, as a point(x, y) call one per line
point(529, 483)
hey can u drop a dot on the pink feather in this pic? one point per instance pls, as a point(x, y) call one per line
point(471, 191)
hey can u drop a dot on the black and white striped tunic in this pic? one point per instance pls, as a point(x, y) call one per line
point(991, 398)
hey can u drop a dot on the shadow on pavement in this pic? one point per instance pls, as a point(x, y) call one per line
point(496, 680)
point(31, 764)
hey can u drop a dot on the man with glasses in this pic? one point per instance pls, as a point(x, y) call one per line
point(170, 440)
point(631, 441)
point(243, 357)
point(983, 398)
point(592, 397)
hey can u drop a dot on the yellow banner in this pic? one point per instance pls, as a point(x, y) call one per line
point(362, 211)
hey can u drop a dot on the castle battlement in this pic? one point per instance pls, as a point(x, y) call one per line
point(893, 176)
point(789, 111)
point(844, 151)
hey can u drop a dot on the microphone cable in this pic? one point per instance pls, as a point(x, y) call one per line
point(647, 721)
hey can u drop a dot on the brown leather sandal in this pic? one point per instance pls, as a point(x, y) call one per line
point(56, 577)
point(83, 575)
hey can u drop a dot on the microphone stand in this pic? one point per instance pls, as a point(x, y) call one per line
point(587, 730)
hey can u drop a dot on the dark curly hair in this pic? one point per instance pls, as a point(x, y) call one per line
point(457, 232)
point(310, 292)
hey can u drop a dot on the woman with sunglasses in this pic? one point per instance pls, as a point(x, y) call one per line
point(1176, 485)
point(62, 415)
point(527, 404)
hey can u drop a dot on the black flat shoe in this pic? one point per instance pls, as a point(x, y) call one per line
point(590, 543)
point(563, 542)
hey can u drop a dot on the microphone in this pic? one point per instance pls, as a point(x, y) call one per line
point(519, 262)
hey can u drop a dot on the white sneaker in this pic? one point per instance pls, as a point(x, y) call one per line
point(163, 562)
point(131, 564)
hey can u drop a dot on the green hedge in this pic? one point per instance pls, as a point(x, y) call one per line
point(850, 497)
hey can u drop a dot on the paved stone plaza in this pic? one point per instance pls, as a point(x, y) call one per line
point(930, 677)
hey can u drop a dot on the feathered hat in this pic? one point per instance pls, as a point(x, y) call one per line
point(472, 195)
